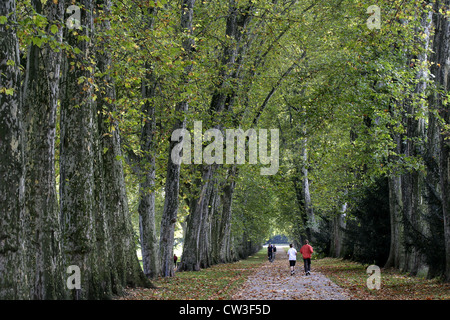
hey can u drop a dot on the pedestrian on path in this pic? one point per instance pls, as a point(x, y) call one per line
point(269, 252)
point(306, 252)
point(274, 252)
point(292, 254)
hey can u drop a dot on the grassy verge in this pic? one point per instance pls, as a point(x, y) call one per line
point(215, 283)
point(395, 285)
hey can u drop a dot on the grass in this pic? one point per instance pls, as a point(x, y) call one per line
point(395, 285)
point(218, 282)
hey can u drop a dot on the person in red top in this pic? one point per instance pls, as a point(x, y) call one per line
point(306, 252)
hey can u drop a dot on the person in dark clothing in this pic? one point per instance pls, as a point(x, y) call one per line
point(269, 252)
point(274, 252)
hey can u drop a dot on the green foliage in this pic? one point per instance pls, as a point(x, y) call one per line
point(368, 228)
point(342, 97)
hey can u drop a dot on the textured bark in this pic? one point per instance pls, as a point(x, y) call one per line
point(216, 223)
point(225, 231)
point(102, 243)
point(146, 208)
point(122, 264)
point(78, 155)
point(396, 251)
point(222, 206)
point(109, 173)
point(433, 191)
point(442, 57)
point(338, 233)
point(41, 93)
point(413, 183)
point(13, 282)
point(406, 192)
point(172, 187)
point(303, 232)
point(309, 211)
point(198, 211)
point(205, 227)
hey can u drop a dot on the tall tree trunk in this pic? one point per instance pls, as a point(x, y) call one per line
point(337, 233)
point(172, 187)
point(78, 156)
point(433, 191)
point(13, 281)
point(216, 223)
point(410, 186)
point(309, 211)
point(221, 233)
point(146, 208)
point(40, 101)
point(205, 246)
point(302, 230)
point(442, 58)
point(198, 211)
point(396, 250)
point(123, 264)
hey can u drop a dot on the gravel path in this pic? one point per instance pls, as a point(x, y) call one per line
point(273, 281)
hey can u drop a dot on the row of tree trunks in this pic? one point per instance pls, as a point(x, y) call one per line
point(196, 249)
point(90, 228)
point(406, 189)
point(415, 198)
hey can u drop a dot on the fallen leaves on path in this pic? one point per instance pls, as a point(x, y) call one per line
point(273, 281)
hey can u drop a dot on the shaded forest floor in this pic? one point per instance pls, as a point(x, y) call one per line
point(257, 278)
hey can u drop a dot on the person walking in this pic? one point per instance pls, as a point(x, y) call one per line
point(306, 252)
point(274, 252)
point(292, 255)
point(269, 252)
point(175, 259)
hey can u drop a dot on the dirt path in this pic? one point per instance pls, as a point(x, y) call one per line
point(273, 281)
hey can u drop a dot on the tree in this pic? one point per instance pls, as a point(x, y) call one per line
point(122, 261)
point(13, 283)
point(441, 58)
point(40, 101)
point(173, 169)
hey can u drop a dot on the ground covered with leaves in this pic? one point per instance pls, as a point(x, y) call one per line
point(352, 277)
point(256, 278)
point(218, 282)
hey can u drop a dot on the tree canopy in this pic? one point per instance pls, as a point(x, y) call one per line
point(347, 102)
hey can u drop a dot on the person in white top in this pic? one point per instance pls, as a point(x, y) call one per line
point(292, 254)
